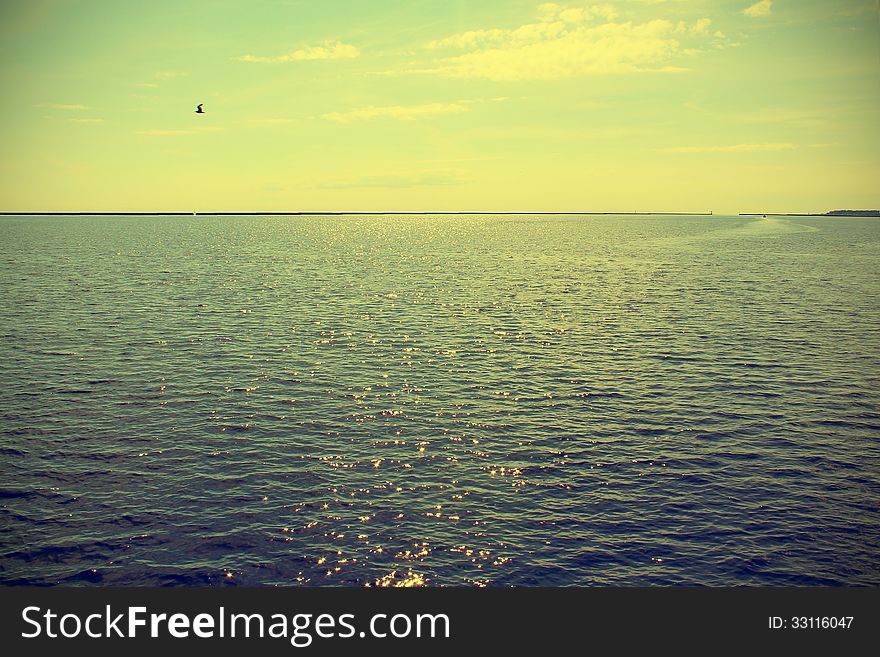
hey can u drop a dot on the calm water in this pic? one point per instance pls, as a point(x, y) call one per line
point(440, 400)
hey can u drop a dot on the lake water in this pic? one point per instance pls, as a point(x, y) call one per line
point(440, 400)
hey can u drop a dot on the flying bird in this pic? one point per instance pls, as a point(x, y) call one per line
point(199, 109)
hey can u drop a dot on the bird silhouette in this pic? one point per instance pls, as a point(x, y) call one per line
point(199, 109)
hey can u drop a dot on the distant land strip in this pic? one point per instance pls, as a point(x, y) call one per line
point(832, 213)
point(341, 213)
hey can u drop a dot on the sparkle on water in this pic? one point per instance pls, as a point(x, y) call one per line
point(437, 400)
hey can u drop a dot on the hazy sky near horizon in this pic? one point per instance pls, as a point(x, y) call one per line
point(494, 105)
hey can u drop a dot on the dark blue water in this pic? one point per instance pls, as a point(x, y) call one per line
point(440, 400)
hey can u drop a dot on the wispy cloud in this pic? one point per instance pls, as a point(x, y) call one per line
point(87, 120)
point(801, 117)
point(760, 8)
point(63, 106)
point(176, 133)
point(398, 112)
point(426, 179)
point(327, 50)
point(162, 76)
point(565, 42)
point(271, 121)
point(736, 148)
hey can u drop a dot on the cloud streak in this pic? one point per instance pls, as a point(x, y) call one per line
point(397, 112)
point(427, 179)
point(271, 121)
point(327, 50)
point(736, 148)
point(63, 106)
point(176, 133)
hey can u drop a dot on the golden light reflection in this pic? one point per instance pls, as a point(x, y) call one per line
point(395, 579)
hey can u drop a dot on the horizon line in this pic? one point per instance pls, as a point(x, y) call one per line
point(341, 212)
point(336, 213)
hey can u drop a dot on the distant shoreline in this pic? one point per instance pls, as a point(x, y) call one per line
point(340, 213)
point(832, 213)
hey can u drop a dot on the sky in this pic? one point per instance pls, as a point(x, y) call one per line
point(440, 105)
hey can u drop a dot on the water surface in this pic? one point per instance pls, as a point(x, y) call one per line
point(440, 400)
